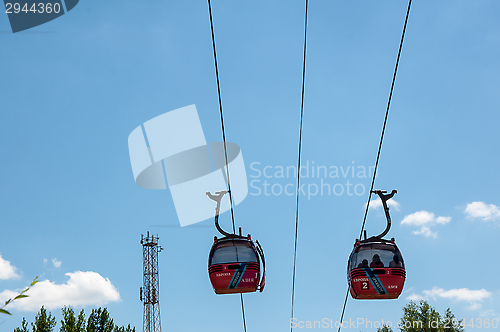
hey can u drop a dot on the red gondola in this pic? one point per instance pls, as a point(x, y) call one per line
point(234, 262)
point(376, 268)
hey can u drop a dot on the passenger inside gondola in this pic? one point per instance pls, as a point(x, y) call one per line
point(376, 256)
point(363, 264)
point(376, 262)
point(395, 262)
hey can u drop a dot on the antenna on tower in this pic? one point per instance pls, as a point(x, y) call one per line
point(150, 290)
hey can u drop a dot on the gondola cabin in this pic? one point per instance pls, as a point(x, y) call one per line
point(376, 270)
point(234, 260)
point(234, 266)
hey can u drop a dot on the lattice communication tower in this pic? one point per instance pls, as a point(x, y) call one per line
point(150, 290)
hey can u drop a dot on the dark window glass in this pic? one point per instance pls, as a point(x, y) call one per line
point(233, 252)
point(376, 255)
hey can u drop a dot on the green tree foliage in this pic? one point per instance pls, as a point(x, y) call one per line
point(124, 329)
point(70, 323)
point(43, 322)
point(384, 328)
point(23, 328)
point(99, 320)
point(451, 322)
point(80, 323)
point(421, 317)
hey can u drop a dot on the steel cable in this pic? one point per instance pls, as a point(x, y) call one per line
point(299, 159)
point(224, 141)
point(380, 144)
point(221, 114)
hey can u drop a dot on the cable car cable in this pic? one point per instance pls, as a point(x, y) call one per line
point(380, 144)
point(221, 114)
point(299, 155)
point(243, 313)
point(224, 140)
point(386, 116)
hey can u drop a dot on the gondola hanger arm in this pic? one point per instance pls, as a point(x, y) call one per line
point(217, 197)
point(384, 198)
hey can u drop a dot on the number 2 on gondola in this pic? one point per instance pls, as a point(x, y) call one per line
point(364, 285)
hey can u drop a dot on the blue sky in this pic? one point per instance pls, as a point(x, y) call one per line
point(73, 90)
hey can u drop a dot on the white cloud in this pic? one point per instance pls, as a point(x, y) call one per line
point(7, 270)
point(475, 306)
point(419, 218)
point(414, 297)
point(474, 297)
point(425, 231)
point(409, 289)
point(56, 262)
point(459, 294)
point(45, 261)
point(375, 204)
point(82, 289)
point(424, 220)
point(488, 313)
point(443, 220)
point(487, 212)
